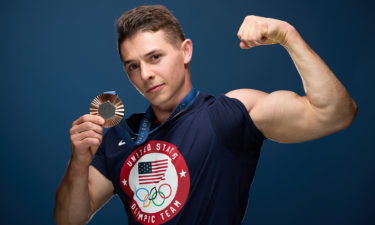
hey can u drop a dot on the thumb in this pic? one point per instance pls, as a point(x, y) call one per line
point(244, 45)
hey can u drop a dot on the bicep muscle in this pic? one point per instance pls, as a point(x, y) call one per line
point(286, 117)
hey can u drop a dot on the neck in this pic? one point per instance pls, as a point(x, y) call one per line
point(162, 112)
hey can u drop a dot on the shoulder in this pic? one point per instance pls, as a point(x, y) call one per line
point(252, 100)
point(231, 118)
point(249, 97)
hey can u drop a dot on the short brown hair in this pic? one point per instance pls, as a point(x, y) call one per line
point(149, 18)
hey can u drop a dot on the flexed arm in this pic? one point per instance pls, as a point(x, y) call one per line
point(284, 116)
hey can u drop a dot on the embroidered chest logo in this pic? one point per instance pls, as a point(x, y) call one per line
point(157, 179)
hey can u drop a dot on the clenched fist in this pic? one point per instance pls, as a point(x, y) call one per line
point(85, 137)
point(256, 31)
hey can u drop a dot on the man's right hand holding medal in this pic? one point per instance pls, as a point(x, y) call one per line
point(86, 135)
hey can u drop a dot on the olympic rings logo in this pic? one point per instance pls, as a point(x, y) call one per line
point(151, 196)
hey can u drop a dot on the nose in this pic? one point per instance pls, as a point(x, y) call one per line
point(146, 72)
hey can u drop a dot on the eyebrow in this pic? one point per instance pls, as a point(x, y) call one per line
point(147, 54)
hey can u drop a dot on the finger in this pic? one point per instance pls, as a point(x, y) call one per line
point(245, 37)
point(86, 126)
point(239, 33)
point(270, 41)
point(248, 44)
point(89, 118)
point(86, 134)
point(258, 32)
point(244, 46)
point(88, 142)
point(252, 44)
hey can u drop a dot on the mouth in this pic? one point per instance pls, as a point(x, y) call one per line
point(155, 88)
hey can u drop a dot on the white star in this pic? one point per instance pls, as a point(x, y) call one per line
point(124, 182)
point(182, 174)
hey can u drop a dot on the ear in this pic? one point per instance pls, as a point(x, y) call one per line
point(187, 50)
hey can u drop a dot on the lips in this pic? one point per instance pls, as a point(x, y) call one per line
point(155, 88)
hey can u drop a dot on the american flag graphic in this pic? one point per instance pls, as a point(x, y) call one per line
point(152, 172)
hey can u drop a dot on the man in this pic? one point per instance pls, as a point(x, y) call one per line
point(198, 166)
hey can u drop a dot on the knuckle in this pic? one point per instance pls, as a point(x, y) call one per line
point(250, 17)
point(87, 125)
point(87, 141)
point(92, 141)
point(84, 134)
point(85, 117)
point(261, 24)
point(95, 141)
point(91, 133)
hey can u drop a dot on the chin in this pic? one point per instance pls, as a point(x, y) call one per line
point(157, 100)
point(162, 101)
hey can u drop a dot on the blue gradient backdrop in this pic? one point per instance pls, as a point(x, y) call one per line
point(56, 56)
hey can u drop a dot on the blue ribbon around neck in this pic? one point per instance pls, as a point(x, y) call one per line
point(148, 118)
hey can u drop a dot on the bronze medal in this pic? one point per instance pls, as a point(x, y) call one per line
point(109, 107)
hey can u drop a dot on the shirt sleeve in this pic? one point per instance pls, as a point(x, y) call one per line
point(234, 127)
point(99, 162)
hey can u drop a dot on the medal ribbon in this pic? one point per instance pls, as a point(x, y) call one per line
point(149, 116)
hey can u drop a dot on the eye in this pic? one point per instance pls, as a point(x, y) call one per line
point(155, 57)
point(133, 67)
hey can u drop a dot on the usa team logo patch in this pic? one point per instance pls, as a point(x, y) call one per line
point(157, 179)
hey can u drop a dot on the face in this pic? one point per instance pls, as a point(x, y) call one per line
point(155, 67)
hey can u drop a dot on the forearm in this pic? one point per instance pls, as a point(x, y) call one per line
point(72, 204)
point(324, 91)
